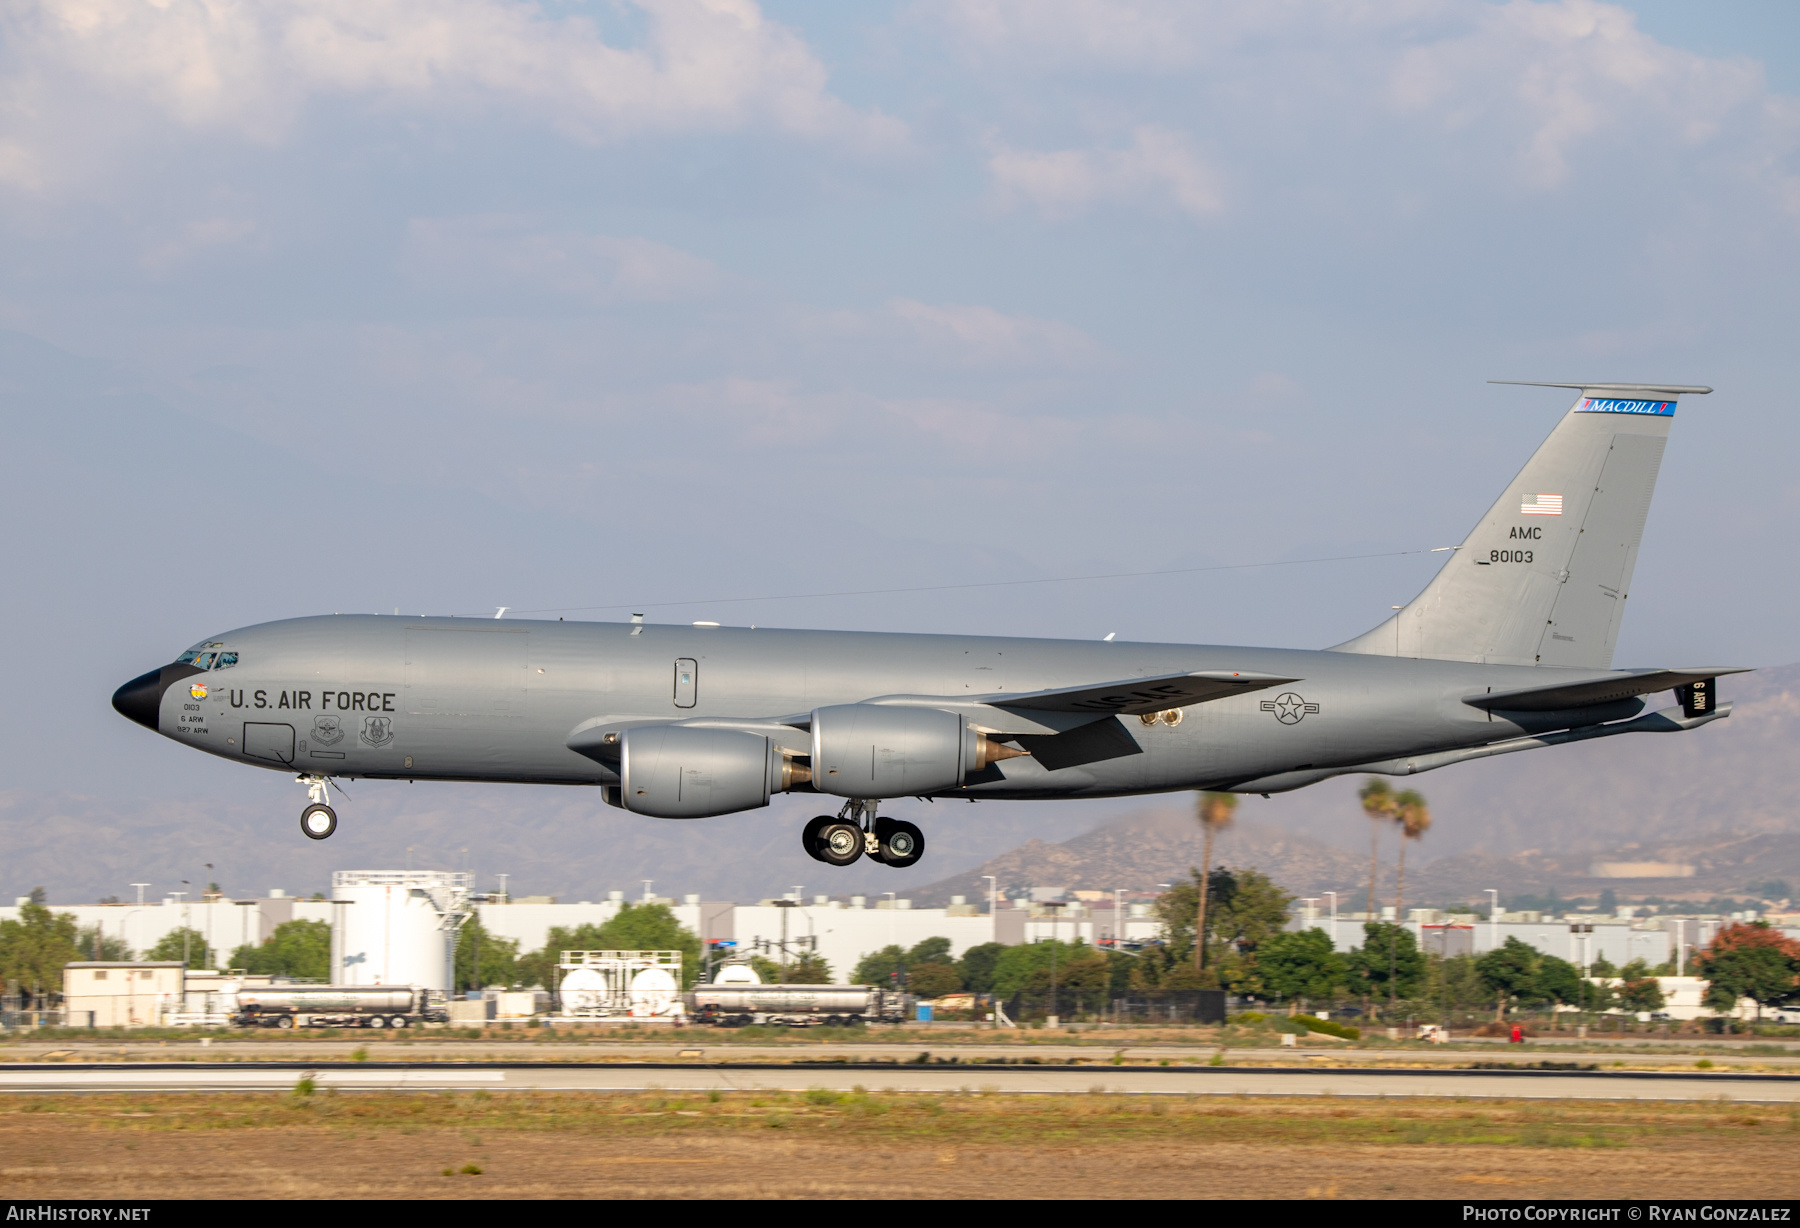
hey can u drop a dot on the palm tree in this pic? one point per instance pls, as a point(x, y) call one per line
point(1414, 818)
point(1378, 804)
point(1214, 811)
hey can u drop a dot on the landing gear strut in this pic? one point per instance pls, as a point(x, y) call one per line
point(318, 820)
point(838, 840)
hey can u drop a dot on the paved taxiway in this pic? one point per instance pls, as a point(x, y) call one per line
point(704, 1077)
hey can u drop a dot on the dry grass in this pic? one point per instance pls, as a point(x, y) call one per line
point(827, 1144)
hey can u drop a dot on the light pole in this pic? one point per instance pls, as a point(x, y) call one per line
point(1055, 907)
point(784, 906)
point(1493, 918)
point(140, 888)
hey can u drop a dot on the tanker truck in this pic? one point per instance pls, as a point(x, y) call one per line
point(337, 1006)
point(736, 1006)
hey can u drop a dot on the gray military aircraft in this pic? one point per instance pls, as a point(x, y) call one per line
point(1509, 648)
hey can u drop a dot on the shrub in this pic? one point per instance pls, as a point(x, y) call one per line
point(1329, 1027)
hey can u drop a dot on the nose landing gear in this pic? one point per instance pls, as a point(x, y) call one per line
point(838, 840)
point(318, 820)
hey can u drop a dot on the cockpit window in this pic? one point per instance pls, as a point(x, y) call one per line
point(226, 660)
point(187, 658)
point(204, 660)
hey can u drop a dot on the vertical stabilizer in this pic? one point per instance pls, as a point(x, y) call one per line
point(1543, 577)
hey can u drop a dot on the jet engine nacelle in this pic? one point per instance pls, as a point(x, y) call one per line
point(674, 772)
point(876, 750)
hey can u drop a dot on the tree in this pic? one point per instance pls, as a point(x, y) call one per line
point(930, 951)
point(1246, 907)
point(1639, 990)
point(894, 966)
point(1414, 818)
point(934, 979)
point(1214, 811)
point(881, 967)
point(1378, 803)
point(1389, 959)
point(1509, 973)
point(652, 927)
point(95, 943)
point(1560, 981)
point(34, 948)
point(1749, 961)
point(1300, 964)
point(539, 967)
point(184, 943)
point(294, 948)
point(808, 968)
point(977, 966)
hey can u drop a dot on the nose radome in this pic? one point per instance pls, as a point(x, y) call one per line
point(141, 698)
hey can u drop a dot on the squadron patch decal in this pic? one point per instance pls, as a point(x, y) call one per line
point(377, 730)
point(198, 690)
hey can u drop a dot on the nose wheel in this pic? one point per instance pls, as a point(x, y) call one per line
point(838, 840)
point(318, 820)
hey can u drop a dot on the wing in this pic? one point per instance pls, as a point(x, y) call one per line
point(1135, 696)
point(1623, 685)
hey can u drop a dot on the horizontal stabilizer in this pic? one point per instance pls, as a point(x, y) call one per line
point(1562, 695)
point(1136, 696)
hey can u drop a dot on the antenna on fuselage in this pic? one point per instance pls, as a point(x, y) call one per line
point(502, 610)
point(1107, 638)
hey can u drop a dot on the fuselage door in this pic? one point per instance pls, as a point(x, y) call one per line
point(687, 682)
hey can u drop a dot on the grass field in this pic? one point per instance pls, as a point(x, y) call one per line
point(824, 1144)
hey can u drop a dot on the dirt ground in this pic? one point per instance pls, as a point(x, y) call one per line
point(825, 1145)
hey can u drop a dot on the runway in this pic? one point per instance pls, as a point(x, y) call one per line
point(935, 1079)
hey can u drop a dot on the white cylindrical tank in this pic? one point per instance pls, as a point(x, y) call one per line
point(396, 927)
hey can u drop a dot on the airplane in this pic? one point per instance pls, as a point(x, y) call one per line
point(1508, 648)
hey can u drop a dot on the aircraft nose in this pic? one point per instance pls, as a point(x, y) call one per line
point(141, 698)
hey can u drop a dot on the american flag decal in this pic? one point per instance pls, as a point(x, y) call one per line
point(1546, 505)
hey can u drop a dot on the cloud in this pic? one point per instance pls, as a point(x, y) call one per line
point(983, 337)
point(498, 260)
point(1527, 92)
point(79, 69)
point(1158, 167)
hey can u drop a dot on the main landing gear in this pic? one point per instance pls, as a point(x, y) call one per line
point(318, 820)
point(838, 840)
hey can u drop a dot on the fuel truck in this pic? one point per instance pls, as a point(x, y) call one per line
point(337, 1006)
point(736, 1006)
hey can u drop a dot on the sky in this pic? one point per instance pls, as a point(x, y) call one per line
point(590, 308)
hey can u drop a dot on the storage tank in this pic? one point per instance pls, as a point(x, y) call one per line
point(397, 927)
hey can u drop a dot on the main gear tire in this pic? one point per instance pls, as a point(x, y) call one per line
point(840, 844)
point(318, 821)
point(902, 844)
point(809, 838)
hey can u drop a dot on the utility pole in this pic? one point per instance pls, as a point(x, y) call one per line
point(785, 906)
